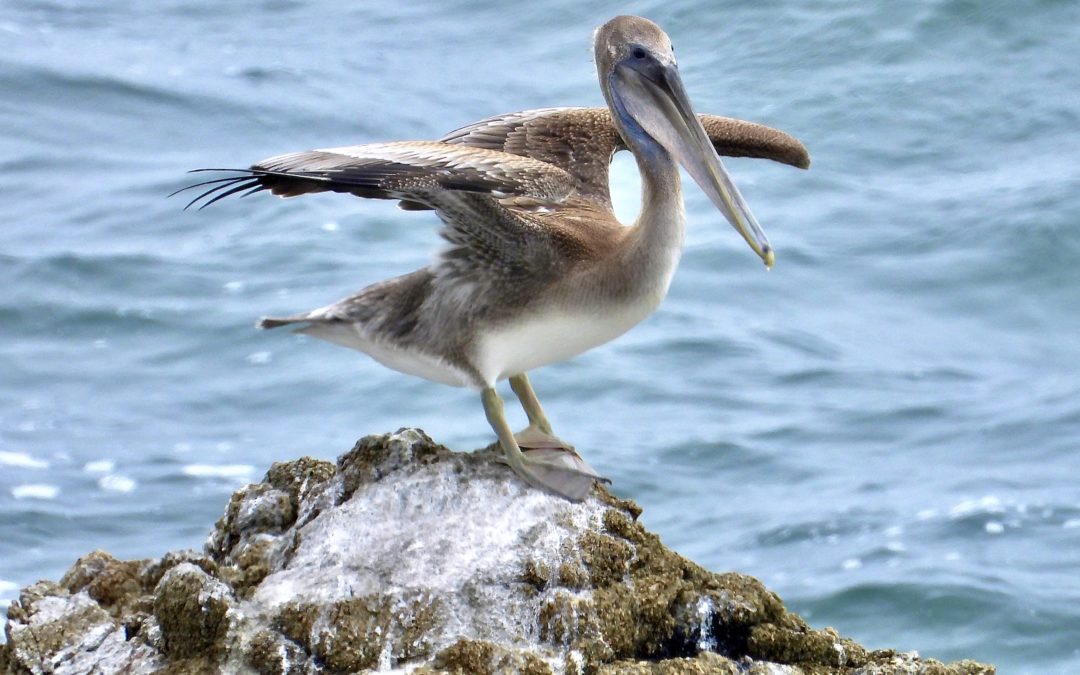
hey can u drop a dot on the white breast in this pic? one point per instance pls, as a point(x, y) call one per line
point(553, 335)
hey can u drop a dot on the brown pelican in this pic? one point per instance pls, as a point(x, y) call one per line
point(537, 267)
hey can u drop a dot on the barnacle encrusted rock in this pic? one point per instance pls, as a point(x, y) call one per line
point(405, 554)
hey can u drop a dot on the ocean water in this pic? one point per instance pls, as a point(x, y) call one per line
point(885, 428)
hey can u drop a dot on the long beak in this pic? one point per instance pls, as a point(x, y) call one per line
point(654, 97)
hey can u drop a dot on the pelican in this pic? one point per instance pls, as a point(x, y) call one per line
point(537, 269)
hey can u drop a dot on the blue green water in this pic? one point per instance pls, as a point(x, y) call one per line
point(885, 428)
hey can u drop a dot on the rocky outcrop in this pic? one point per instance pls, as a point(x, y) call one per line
point(405, 555)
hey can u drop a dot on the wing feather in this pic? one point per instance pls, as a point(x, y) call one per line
point(413, 171)
point(580, 141)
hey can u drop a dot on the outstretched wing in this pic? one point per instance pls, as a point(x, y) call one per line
point(534, 157)
point(415, 172)
point(581, 141)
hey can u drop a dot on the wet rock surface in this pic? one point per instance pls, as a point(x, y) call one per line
point(405, 555)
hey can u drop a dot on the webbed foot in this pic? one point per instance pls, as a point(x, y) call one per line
point(558, 471)
point(541, 459)
point(554, 464)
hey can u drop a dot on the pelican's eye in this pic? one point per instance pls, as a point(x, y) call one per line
point(639, 53)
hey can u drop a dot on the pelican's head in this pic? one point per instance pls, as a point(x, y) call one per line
point(640, 80)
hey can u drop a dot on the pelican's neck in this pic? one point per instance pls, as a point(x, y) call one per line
point(656, 238)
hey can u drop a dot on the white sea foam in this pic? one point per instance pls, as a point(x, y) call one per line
point(35, 491)
point(21, 460)
point(968, 507)
point(705, 612)
point(259, 358)
point(218, 470)
point(116, 483)
point(99, 466)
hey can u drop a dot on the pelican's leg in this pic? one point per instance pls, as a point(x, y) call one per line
point(560, 472)
point(537, 419)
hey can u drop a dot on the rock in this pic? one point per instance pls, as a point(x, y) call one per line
point(51, 630)
point(191, 608)
point(407, 555)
